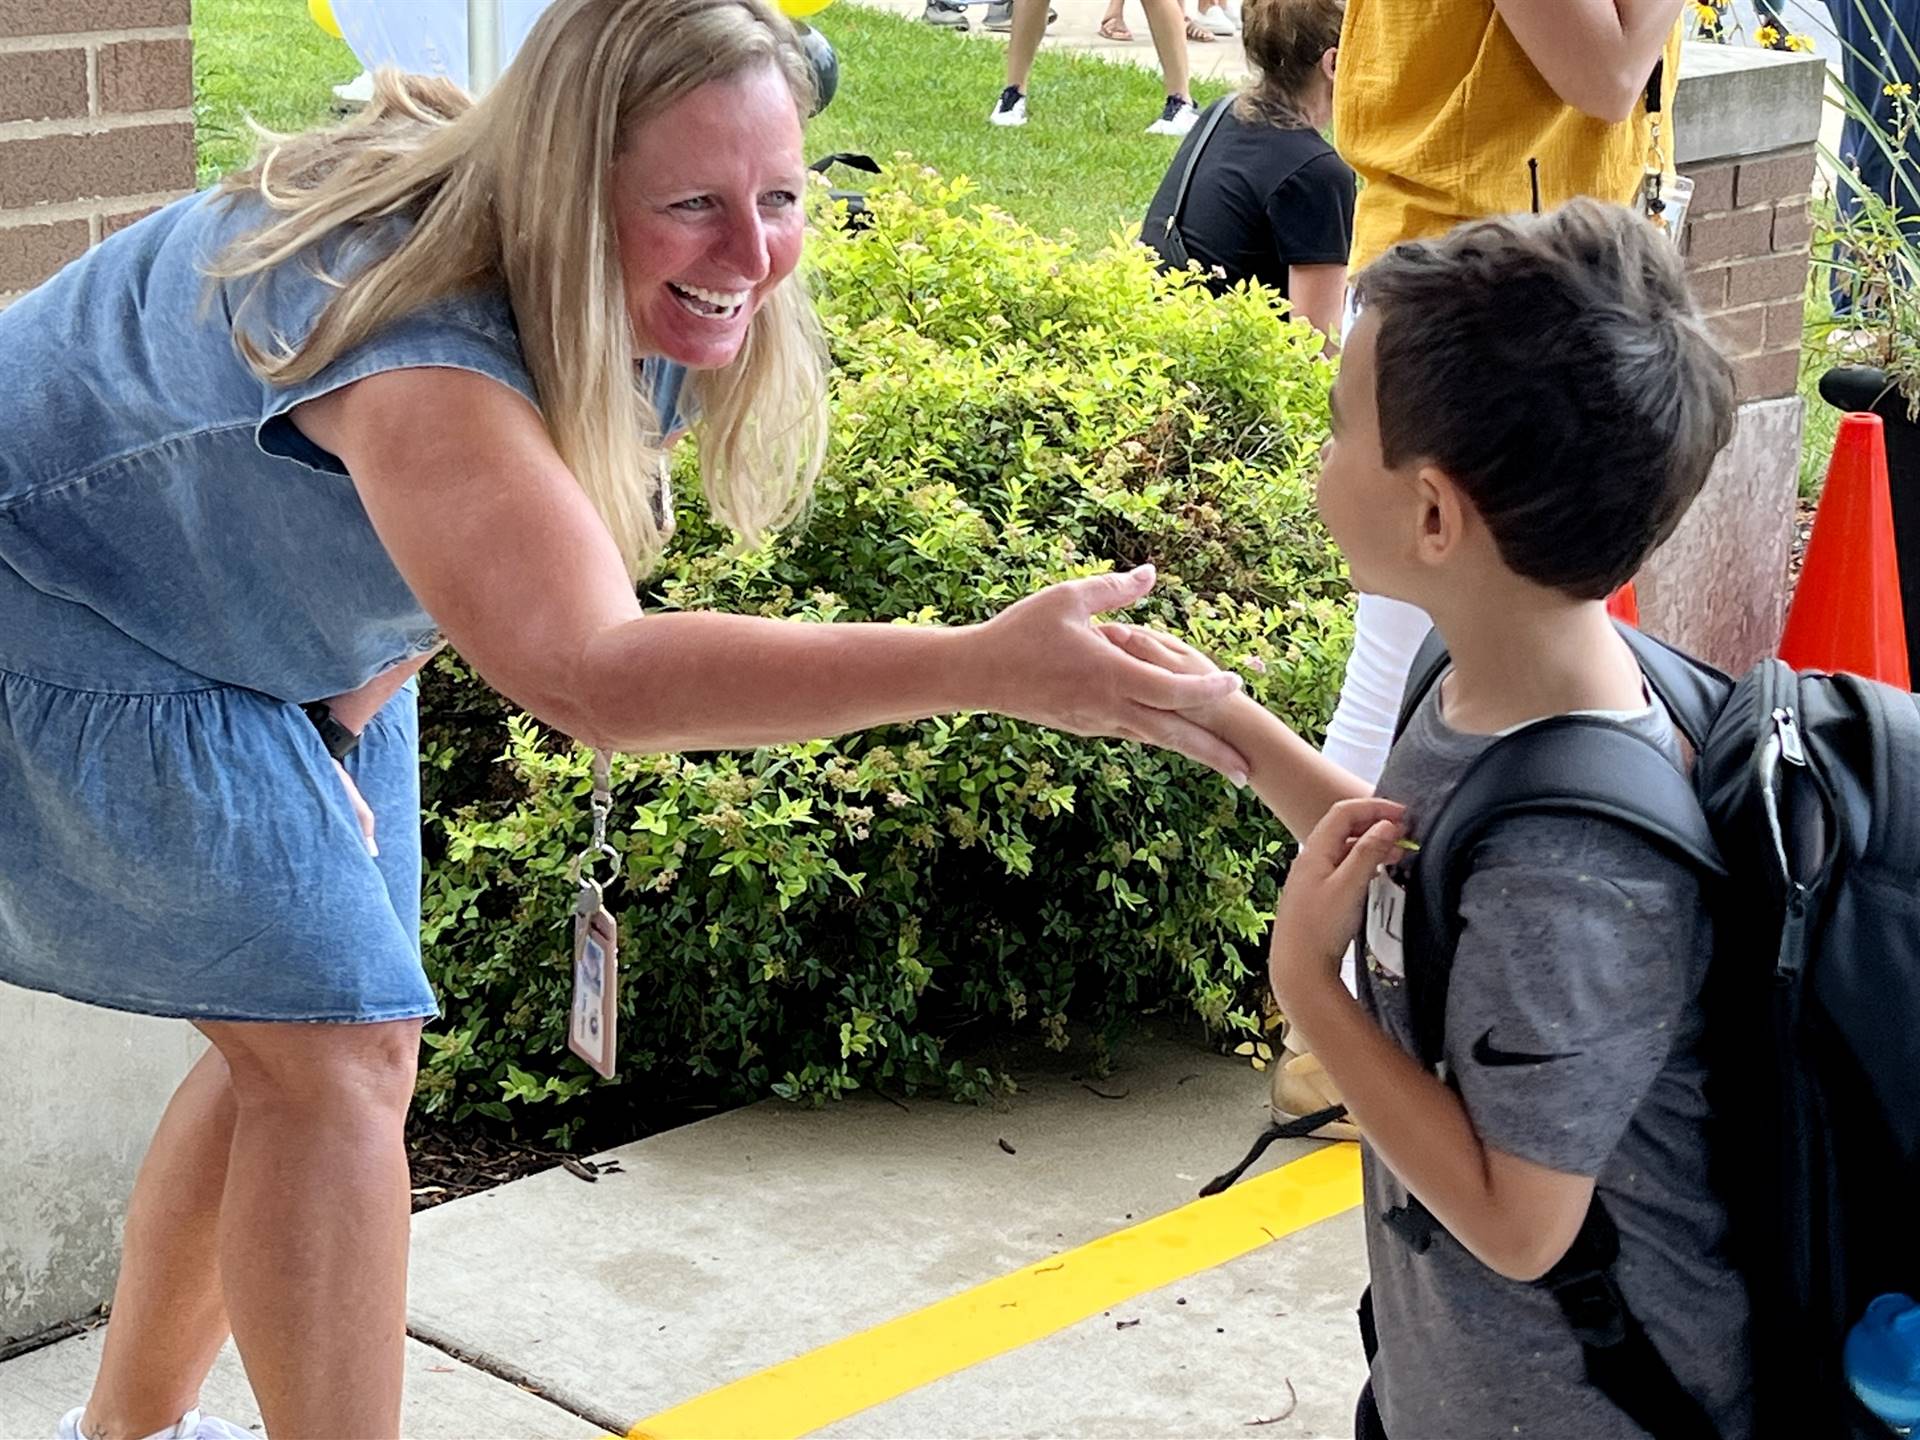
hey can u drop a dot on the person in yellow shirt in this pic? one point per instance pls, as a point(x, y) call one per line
point(1455, 110)
point(1443, 104)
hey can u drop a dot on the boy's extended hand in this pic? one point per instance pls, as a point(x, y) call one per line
point(1292, 779)
point(1180, 658)
point(1326, 894)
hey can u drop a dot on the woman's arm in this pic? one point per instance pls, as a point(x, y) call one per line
point(357, 707)
point(1318, 294)
point(1596, 54)
point(501, 545)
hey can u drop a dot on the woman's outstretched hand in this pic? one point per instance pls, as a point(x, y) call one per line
point(1062, 672)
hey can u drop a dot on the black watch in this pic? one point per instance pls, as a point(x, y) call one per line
point(338, 739)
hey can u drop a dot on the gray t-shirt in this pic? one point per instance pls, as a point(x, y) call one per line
point(1573, 1035)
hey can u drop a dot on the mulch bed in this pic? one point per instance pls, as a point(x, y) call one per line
point(1802, 529)
point(452, 1161)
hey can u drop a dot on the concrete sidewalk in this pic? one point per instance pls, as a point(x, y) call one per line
point(876, 1270)
point(1078, 30)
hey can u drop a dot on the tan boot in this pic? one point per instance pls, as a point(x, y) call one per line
point(1300, 1087)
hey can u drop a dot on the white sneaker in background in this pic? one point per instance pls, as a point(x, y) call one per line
point(1177, 118)
point(1217, 20)
point(1009, 109)
point(358, 91)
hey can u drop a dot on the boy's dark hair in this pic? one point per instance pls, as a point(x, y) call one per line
point(1285, 40)
point(1556, 368)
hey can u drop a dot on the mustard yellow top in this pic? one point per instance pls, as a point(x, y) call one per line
point(1438, 109)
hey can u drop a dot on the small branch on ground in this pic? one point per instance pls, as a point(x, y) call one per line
point(1293, 1404)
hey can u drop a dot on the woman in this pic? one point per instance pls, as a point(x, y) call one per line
point(268, 447)
point(1269, 200)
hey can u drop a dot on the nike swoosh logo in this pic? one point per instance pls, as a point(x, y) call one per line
point(1485, 1054)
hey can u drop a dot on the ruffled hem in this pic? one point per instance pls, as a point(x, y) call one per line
point(164, 1011)
point(194, 855)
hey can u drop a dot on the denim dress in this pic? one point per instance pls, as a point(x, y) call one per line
point(180, 570)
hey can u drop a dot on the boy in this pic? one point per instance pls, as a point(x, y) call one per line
point(1450, 111)
point(1525, 408)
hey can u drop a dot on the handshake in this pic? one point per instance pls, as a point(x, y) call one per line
point(1048, 663)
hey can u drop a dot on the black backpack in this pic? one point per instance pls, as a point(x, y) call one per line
point(1802, 818)
point(858, 216)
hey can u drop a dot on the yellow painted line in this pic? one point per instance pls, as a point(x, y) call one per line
point(808, 1392)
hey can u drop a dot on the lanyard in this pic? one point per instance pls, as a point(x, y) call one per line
point(1652, 201)
point(1654, 167)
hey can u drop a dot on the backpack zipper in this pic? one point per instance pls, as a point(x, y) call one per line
point(1792, 958)
point(1788, 729)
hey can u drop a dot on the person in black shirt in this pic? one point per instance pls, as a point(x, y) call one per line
point(1270, 201)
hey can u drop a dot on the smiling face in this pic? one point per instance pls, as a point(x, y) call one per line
point(707, 215)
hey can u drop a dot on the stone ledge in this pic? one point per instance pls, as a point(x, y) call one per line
point(1736, 100)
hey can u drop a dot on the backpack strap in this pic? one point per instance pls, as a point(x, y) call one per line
point(1622, 1363)
point(1568, 765)
point(1430, 662)
point(1693, 691)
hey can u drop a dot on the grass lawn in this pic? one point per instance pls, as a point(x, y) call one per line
point(262, 59)
point(1081, 164)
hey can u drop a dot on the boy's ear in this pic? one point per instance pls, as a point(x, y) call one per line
point(1445, 515)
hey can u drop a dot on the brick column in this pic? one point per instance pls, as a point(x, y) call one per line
point(1747, 124)
point(96, 125)
point(1747, 247)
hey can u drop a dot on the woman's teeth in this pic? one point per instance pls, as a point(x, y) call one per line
point(709, 304)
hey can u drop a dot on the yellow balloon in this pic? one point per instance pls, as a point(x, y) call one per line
point(321, 12)
point(801, 9)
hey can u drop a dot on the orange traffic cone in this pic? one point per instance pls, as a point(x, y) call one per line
point(1623, 605)
point(1846, 612)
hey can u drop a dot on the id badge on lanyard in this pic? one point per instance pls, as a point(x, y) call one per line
point(596, 939)
point(1664, 195)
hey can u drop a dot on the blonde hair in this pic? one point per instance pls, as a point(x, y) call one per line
point(516, 189)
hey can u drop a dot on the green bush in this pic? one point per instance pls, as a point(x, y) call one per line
point(805, 919)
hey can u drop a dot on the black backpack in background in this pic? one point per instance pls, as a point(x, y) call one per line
point(858, 217)
point(1802, 817)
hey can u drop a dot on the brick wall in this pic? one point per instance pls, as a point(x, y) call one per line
point(96, 125)
point(1747, 243)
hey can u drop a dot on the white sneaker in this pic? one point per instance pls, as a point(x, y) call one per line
point(190, 1426)
point(1177, 118)
point(357, 91)
point(1009, 109)
point(1217, 20)
point(1233, 13)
